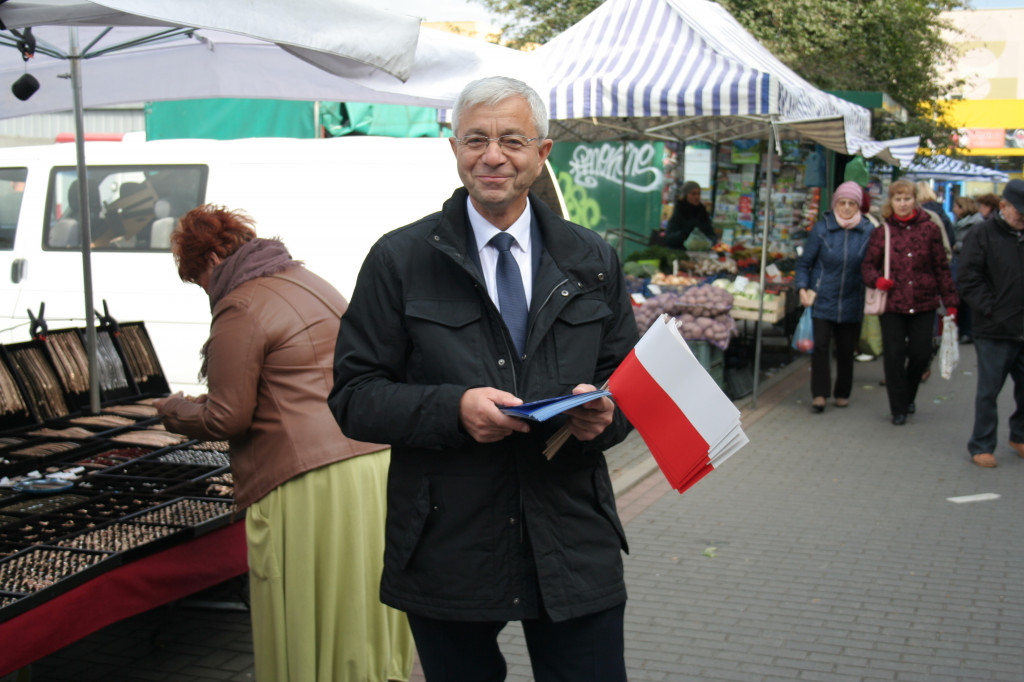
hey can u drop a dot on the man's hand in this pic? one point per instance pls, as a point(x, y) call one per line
point(589, 420)
point(483, 421)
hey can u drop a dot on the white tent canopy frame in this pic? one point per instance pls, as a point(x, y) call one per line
point(940, 167)
point(685, 70)
point(342, 36)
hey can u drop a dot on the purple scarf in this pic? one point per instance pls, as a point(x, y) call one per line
point(256, 258)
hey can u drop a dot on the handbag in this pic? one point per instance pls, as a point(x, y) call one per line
point(874, 299)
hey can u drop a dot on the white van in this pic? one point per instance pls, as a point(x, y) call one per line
point(329, 200)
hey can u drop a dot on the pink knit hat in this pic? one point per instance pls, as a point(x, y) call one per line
point(848, 190)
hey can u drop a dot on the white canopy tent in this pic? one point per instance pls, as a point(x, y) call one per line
point(686, 70)
point(941, 167)
point(345, 37)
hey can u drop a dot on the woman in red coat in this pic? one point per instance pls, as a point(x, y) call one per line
point(919, 280)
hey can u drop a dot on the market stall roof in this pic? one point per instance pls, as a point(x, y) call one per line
point(686, 69)
point(940, 167)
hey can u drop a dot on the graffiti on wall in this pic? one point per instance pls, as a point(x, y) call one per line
point(642, 169)
point(592, 177)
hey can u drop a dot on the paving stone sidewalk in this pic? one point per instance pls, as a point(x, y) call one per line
point(827, 549)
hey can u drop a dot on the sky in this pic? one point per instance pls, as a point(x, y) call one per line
point(466, 10)
point(439, 10)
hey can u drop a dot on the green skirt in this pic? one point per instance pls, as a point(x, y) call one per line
point(316, 552)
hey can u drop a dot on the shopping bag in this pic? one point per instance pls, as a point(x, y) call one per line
point(874, 301)
point(949, 348)
point(870, 336)
point(803, 337)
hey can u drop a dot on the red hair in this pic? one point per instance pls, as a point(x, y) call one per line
point(205, 231)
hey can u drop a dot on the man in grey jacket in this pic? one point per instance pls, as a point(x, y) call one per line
point(991, 279)
point(443, 329)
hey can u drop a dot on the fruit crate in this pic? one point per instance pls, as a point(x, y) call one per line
point(746, 309)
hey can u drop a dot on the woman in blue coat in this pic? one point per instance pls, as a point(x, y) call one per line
point(828, 278)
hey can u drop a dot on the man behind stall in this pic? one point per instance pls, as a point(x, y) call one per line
point(446, 324)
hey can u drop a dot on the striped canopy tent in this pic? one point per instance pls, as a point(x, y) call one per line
point(686, 70)
point(941, 167)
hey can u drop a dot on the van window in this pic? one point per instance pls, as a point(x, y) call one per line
point(12, 189)
point(131, 208)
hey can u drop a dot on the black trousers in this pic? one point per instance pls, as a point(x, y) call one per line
point(906, 352)
point(585, 649)
point(846, 335)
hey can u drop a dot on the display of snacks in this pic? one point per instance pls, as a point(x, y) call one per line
point(113, 506)
point(188, 511)
point(43, 530)
point(38, 568)
point(106, 420)
point(112, 457)
point(213, 458)
point(43, 504)
point(157, 438)
point(45, 448)
point(118, 537)
point(139, 409)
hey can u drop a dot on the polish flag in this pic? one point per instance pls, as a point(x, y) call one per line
point(687, 422)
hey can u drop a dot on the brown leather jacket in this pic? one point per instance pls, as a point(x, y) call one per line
point(270, 360)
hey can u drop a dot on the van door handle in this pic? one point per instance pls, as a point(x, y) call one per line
point(18, 267)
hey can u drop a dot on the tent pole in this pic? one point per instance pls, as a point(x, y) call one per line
point(86, 231)
point(622, 205)
point(769, 161)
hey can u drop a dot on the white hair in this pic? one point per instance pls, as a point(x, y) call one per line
point(495, 89)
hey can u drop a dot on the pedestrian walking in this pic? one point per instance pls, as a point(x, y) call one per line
point(828, 281)
point(991, 278)
point(919, 281)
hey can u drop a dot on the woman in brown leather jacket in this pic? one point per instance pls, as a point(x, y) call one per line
point(314, 500)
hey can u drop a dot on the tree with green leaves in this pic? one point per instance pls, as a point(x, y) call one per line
point(893, 46)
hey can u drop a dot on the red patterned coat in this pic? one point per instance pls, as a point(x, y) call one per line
point(917, 265)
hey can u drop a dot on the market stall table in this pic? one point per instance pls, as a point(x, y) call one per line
point(122, 592)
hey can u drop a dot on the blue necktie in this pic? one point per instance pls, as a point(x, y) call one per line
point(511, 295)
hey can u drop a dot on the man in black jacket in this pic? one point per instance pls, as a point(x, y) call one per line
point(482, 528)
point(991, 279)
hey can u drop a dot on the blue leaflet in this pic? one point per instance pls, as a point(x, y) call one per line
point(542, 410)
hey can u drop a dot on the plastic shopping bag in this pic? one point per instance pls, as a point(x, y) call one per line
point(803, 337)
point(949, 348)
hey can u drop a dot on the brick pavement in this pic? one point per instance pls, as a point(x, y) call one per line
point(824, 550)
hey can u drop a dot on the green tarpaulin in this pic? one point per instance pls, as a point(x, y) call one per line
point(230, 119)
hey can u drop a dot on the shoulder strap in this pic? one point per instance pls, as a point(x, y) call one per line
point(328, 303)
point(886, 225)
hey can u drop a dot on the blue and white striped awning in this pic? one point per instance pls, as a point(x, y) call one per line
point(944, 168)
point(685, 69)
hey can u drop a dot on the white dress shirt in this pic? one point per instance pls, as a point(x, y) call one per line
point(520, 230)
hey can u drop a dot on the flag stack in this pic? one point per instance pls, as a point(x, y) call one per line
point(686, 420)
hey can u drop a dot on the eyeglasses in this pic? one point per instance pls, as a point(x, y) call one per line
point(509, 143)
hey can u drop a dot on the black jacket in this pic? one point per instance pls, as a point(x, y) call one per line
point(684, 220)
point(473, 529)
point(990, 275)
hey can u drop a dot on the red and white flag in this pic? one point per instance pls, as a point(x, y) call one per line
point(686, 420)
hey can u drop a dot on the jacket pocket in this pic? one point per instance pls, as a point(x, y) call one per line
point(440, 330)
point(407, 542)
point(606, 503)
point(577, 334)
point(451, 546)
